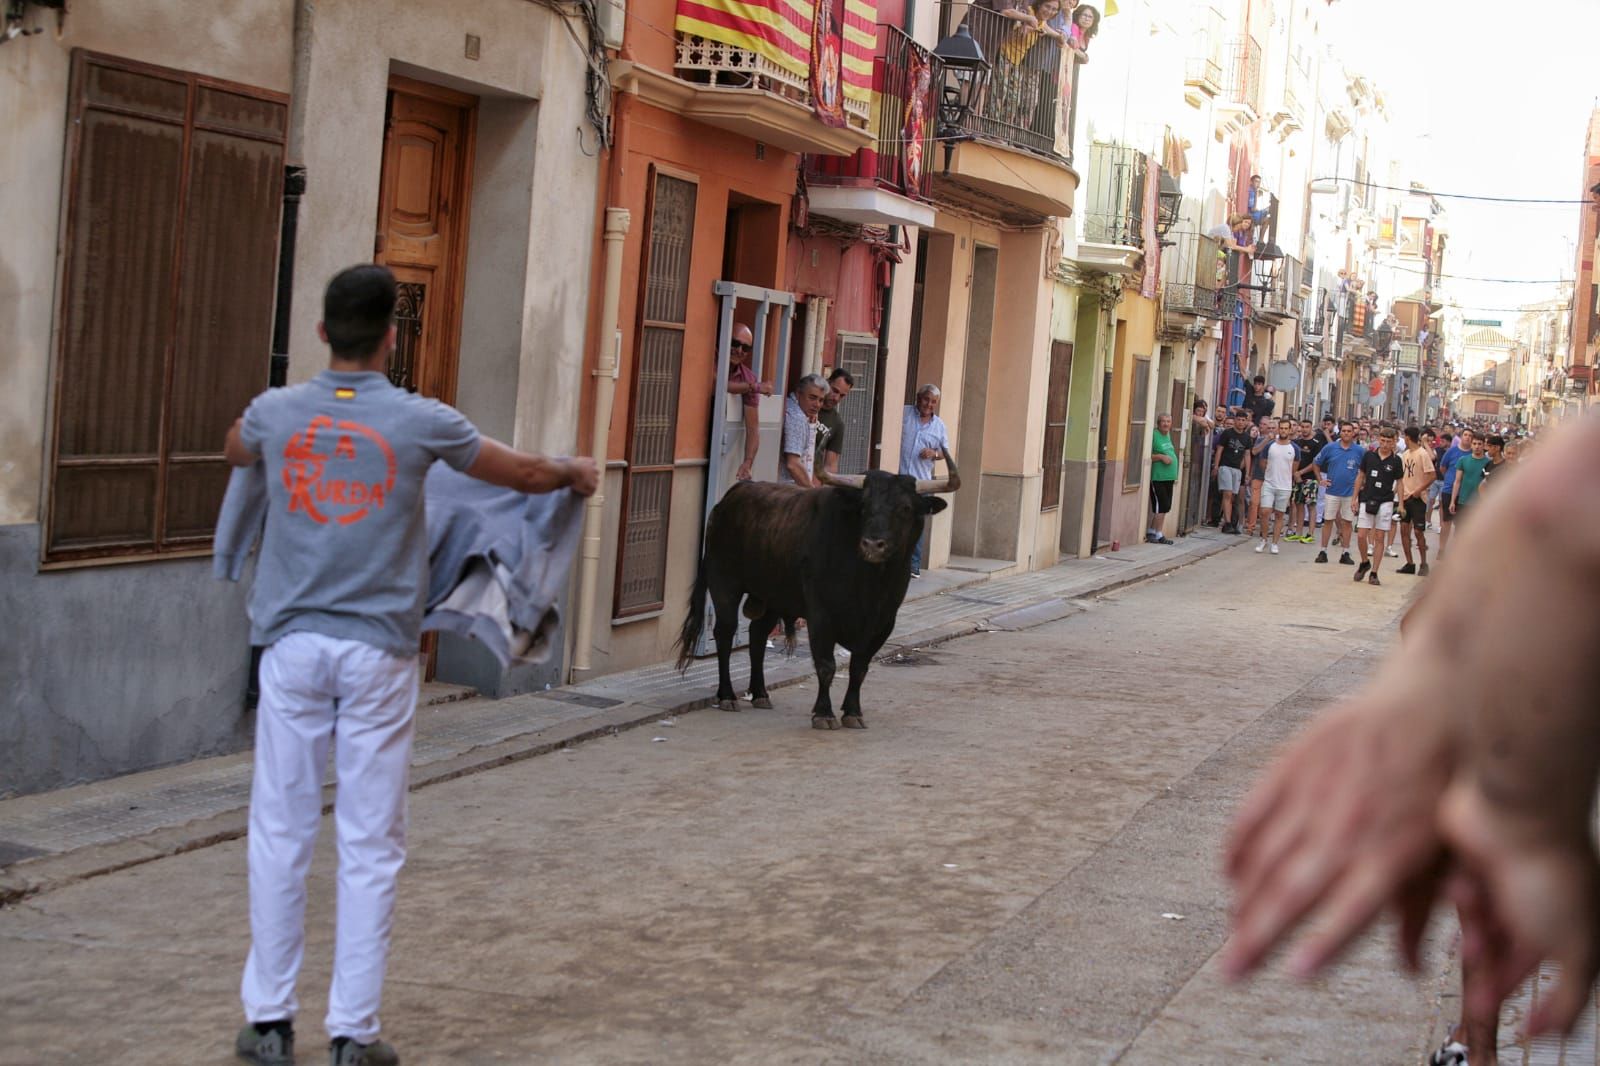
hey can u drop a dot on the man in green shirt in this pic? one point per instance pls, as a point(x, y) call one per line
point(1469, 476)
point(1163, 474)
point(831, 442)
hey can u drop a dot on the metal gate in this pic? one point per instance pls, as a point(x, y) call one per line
point(858, 353)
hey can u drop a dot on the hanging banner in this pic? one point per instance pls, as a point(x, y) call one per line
point(914, 128)
point(827, 85)
point(783, 33)
point(1152, 242)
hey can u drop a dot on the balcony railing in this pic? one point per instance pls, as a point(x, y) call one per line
point(708, 62)
point(899, 162)
point(1206, 64)
point(1193, 269)
point(1028, 102)
point(1114, 212)
point(1242, 89)
point(1284, 296)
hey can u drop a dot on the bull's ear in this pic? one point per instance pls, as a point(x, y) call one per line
point(931, 504)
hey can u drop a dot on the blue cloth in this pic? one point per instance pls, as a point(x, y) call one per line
point(1341, 464)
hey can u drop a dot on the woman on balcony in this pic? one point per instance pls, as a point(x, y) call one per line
point(1027, 60)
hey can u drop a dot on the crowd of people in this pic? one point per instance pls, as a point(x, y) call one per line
point(1373, 489)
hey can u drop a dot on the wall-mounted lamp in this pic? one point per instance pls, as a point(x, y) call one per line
point(966, 72)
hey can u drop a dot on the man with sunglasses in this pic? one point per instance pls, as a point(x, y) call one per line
point(742, 381)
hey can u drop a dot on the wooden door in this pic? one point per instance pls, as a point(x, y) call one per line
point(424, 191)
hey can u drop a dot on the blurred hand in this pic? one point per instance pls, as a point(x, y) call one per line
point(583, 476)
point(764, 388)
point(743, 473)
point(1525, 895)
point(1344, 822)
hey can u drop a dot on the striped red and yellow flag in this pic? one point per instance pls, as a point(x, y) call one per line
point(780, 31)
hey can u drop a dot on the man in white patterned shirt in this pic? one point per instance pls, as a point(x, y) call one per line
point(797, 455)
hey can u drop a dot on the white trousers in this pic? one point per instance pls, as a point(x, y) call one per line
point(316, 690)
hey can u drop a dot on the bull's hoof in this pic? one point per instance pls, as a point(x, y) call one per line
point(727, 705)
point(762, 703)
point(854, 721)
point(819, 722)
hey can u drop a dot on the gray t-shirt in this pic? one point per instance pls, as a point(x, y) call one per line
point(345, 550)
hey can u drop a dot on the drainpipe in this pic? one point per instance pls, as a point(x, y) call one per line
point(605, 385)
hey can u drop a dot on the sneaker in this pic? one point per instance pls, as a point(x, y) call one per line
point(1422, 571)
point(1345, 560)
point(1409, 568)
point(1372, 578)
point(346, 1052)
point(1391, 553)
point(267, 1044)
point(1274, 549)
point(1337, 540)
point(1322, 557)
point(916, 573)
point(1450, 1053)
point(1361, 571)
point(1261, 547)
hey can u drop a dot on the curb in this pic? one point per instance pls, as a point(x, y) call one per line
point(32, 877)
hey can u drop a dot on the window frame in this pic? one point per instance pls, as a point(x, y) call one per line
point(1058, 397)
point(619, 612)
point(162, 546)
point(1133, 472)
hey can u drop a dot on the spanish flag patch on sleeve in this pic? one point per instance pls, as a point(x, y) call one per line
point(344, 394)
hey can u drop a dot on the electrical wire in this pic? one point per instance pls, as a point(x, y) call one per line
point(1456, 195)
point(1485, 281)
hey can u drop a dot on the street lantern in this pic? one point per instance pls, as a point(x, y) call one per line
point(1268, 261)
point(966, 71)
point(1169, 202)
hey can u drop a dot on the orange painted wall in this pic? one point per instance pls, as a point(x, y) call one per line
point(724, 166)
point(843, 273)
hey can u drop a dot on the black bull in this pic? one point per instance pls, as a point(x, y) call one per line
point(839, 557)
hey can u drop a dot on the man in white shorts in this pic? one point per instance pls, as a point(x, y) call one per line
point(1381, 471)
point(1279, 460)
point(1337, 467)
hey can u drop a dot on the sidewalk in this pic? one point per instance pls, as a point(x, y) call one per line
point(55, 838)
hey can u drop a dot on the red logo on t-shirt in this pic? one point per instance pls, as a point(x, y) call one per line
point(320, 483)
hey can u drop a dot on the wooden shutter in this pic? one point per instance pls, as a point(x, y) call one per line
point(858, 353)
point(653, 413)
point(1055, 424)
point(1138, 426)
point(173, 198)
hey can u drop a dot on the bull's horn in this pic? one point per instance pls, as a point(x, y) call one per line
point(949, 483)
point(842, 481)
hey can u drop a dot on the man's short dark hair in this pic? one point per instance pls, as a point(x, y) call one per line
point(1496, 440)
point(1328, 418)
point(1346, 422)
point(1413, 434)
point(841, 372)
point(357, 310)
point(1261, 379)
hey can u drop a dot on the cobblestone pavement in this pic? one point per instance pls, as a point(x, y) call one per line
point(1016, 863)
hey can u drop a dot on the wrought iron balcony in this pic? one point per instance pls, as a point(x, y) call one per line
point(1114, 210)
point(715, 63)
point(1242, 88)
point(1193, 270)
point(902, 159)
point(1028, 101)
point(1284, 296)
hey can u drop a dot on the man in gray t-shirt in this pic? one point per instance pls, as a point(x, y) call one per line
point(337, 599)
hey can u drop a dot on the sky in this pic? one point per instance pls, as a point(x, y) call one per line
point(1488, 98)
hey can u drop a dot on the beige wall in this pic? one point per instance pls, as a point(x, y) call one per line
point(251, 45)
point(531, 230)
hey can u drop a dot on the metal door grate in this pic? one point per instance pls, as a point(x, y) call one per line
point(858, 353)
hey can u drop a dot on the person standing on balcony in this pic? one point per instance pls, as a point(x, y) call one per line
point(1256, 204)
point(1233, 235)
point(742, 381)
point(1085, 24)
point(1016, 80)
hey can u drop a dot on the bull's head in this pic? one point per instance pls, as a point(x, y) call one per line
point(893, 506)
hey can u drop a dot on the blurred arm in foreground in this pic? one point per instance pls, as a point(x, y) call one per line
point(1467, 765)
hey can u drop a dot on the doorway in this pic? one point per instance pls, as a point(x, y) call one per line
point(965, 511)
point(1099, 537)
point(424, 189)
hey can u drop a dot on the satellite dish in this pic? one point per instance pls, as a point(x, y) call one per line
point(1285, 377)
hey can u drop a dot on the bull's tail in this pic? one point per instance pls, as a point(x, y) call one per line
point(694, 621)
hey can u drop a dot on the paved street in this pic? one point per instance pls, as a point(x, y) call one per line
point(1017, 862)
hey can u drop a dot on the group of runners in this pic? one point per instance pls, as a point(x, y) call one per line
point(1371, 489)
